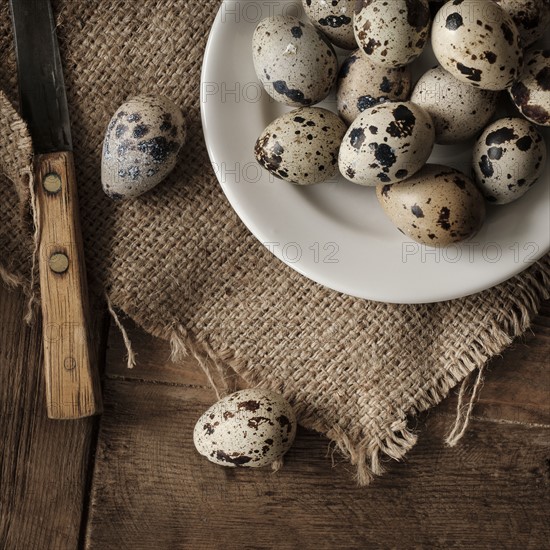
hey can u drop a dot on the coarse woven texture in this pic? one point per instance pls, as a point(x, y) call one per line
point(181, 264)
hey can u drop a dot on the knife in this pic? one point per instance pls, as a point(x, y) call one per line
point(72, 381)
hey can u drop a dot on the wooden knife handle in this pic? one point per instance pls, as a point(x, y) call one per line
point(72, 380)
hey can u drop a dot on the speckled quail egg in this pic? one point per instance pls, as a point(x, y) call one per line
point(334, 18)
point(531, 17)
point(386, 144)
point(459, 111)
point(249, 428)
point(141, 146)
point(438, 206)
point(531, 93)
point(294, 62)
point(392, 33)
point(478, 43)
point(362, 84)
point(302, 146)
point(508, 159)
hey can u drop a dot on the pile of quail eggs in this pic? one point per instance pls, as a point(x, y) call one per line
point(386, 127)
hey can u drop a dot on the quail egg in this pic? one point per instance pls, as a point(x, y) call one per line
point(250, 428)
point(141, 146)
point(386, 144)
point(509, 157)
point(294, 62)
point(459, 111)
point(334, 19)
point(531, 93)
point(478, 43)
point(302, 146)
point(438, 206)
point(531, 17)
point(392, 34)
point(362, 84)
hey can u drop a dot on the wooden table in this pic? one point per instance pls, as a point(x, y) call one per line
point(131, 479)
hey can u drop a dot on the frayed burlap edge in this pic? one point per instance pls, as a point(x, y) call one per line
point(220, 366)
point(16, 164)
point(367, 454)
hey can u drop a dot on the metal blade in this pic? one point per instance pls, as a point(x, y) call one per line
point(41, 85)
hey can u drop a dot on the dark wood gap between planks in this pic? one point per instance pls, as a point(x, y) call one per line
point(101, 350)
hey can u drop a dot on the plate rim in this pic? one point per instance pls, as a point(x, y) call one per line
point(380, 296)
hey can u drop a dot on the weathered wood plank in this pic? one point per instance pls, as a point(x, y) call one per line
point(43, 463)
point(152, 490)
point(516, 389)
point(153, 359)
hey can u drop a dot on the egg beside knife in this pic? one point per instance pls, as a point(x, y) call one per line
point(141, 146)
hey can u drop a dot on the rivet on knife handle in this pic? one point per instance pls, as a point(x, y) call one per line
point(72, 383)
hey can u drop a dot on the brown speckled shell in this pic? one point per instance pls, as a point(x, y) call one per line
point(294, 61)
point(392, 33)
point(141, 146)
point(531, 93)
point(508, 159)
point(459, 111)
point(387, 143)
point(250, 428)
point(301, 146)
point(362, 84)
point(439, 206)
point(478, 43)
point(334, 19)
point(532, 18)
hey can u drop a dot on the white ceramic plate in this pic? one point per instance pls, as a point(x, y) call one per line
point(336, 233)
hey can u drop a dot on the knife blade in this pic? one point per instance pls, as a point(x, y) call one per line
point(72, 381)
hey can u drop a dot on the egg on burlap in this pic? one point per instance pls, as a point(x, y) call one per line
point(141, 146)
point(250, 428)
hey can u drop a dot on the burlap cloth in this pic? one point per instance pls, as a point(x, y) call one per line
point(181, 264)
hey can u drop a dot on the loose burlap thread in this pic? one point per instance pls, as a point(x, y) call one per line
point(180, 263)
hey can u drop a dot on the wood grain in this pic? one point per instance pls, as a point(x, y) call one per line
point(72, 382)
point(516, 389)
point(44, 464)
point(152, 490)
